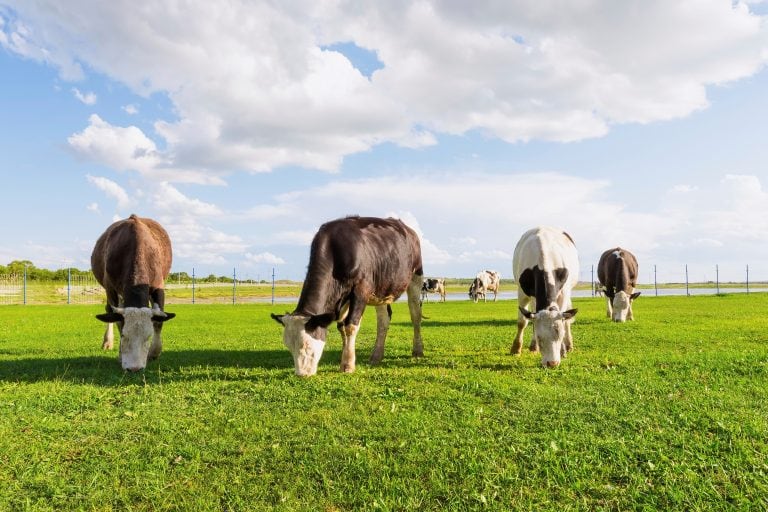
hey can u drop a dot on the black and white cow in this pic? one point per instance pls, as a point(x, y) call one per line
point(436, 285)
point(354, 262)
point(131, 260)
point(485, 281)
point(617, 272)
point(546, 268)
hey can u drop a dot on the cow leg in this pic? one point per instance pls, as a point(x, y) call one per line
point(630, 316)
point(349, 336)
point(383, 316)
point(414, 308)
point(565, 304)
point(608, 307)
point(109, 335)
point(522, 322)
point(158, 297)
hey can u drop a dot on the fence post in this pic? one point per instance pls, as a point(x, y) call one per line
point(687, 293)
point(193, 285)
point(234, 284)
point(273, 286)
point(717, 278)
point(25, 284)
point(747, 278)
point(655, 284)
point(69, 284)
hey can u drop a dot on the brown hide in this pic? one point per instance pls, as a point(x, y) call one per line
point(617, 271)
point(131, 253)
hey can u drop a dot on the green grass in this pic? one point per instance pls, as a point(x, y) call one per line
point(666, 413)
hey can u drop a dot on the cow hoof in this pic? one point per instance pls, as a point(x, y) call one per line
point(347, 368)
point(417, 353)
point(106, 346)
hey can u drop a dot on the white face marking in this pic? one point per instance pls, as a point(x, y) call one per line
point(135, 338)
point(620, 303)
point(549, 329)
point(305, 349)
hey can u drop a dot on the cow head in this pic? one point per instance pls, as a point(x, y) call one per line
point(305, 337)
point(549, 331)
point(136, 330)
point(621, 303)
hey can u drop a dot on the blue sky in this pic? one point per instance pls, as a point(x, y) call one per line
point(243, 126)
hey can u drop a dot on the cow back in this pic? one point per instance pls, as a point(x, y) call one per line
point(617, 270)
point(132, 252)
point(374, 255)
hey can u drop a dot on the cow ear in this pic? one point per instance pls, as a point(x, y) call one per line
point(277, 318)
point(634, 295)
point(316, 321)
point(527, 314)
point(110, 317)
point(567, 315)
point(165, 318)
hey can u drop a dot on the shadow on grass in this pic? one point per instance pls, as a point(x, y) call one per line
point(182, 365)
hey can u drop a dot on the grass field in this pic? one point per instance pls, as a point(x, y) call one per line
point(666, 413)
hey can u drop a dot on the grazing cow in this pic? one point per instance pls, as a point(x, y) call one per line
point(433, 286)
point(485, 281)
point(546, 267)
point(617, 271)
point(131, 260)
point(354, 262)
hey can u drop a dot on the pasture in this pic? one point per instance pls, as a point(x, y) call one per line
point(666, 413)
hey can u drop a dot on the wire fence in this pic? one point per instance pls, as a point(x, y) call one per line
point(183, 288)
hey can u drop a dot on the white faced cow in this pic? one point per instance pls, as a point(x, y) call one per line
point(485, 281)
point(617, 271)
point(354, 262)
point(131, 261)
point(436, 285)
point(546, 268)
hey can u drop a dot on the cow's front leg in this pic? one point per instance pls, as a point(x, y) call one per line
point(109, 337)
point(630, 316)
point(383, 316)
point(350, 328)
point(414, 308)
point(157, 341)
point(608, 307)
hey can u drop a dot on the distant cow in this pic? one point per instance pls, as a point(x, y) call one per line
point(131, 260)
point(546, 268)
point(354, 262)
point(617, 271)
point(433, 286)
point(485, 281)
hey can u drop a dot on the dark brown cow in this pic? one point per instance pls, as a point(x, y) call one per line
point(354, 262)
point(131, 261)
point(617, 272)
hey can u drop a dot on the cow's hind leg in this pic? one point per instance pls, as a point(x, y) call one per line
point(383, 317)
point(415, 310)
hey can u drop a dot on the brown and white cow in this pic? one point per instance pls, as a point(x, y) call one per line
point(546, 268)
point(485, 281)
point(617, 272)
point(436, 285)
point(131, 260)
point(354, 262)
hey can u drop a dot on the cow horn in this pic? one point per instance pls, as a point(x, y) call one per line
point(119, 311)
point(156, 311)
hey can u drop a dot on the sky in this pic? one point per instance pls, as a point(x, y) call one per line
point(242, 126)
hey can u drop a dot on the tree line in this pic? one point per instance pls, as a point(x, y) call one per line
point(18, 267)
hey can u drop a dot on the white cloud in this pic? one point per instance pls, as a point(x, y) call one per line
point(93, 207)
point(254, 90)
point(88, 98)
point(168, 198)
point(130, 109)
point(111, 189)
point(264, 257)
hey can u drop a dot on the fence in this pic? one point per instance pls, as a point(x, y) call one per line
point(84, 289)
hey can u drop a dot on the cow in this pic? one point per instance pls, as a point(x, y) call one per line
point(617, 272)
point(131, 260)
point(436, 285)
point(546, 268)
point(354, 262)
point(485, 281)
